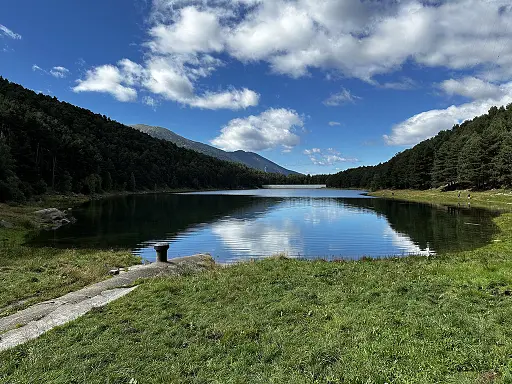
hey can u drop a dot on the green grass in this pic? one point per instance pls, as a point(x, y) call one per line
point(442, 319)
point(29, 275)
point(495, 199)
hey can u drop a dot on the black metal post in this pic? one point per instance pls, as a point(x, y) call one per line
point(161, 252)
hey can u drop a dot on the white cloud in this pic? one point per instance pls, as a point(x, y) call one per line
point(59, 72)
point(190, 39)
point(340, 98)
point(193, 31)
point(328, 158)
point(311, 151)
point(427, 124)
point(235, 99)
point(472, 88)
point(270, 129)
point(107, 79)
point(404, 84)
point(356, 38)
point(171, 78)
point(4, 31)
point(334, 123)
point(149, 101)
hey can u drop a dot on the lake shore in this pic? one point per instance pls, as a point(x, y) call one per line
point(495, 199)
point(446, 318)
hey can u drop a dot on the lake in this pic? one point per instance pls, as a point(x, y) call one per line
point(307, 223)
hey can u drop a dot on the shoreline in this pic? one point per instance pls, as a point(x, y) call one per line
point(83, 265)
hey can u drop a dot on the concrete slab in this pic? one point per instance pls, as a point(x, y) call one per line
point(33, 321)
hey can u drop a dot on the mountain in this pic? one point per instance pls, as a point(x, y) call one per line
point(250, 159)
point(474, 154)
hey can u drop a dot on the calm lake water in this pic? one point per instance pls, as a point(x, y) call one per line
point(234, 225)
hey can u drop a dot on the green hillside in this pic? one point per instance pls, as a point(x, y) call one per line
point(51, 146)
point(475, 154)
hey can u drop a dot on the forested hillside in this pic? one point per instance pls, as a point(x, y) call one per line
point(48, 145)
point(476, 154)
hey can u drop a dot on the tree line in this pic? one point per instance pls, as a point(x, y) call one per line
point(475, 154)
point(51, 146)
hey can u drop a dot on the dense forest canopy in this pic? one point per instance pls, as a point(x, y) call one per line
point(475, 154)
point(48, 145)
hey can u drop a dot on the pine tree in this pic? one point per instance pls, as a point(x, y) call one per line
point(131, 183)
point(491, 140)
point(504, 161)
point(444, 170)
point(469, 167)
point(9, 182)
point(66, 183)
point(107, 182)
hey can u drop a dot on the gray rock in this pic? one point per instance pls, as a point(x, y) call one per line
point(6, 224)
point(53, 218)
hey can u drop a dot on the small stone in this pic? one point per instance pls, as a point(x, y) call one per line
point(6, 224)
point(113, 272)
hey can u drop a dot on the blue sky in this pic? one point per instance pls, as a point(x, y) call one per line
point(314, 85)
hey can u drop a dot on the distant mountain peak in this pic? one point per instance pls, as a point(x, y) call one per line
point(250, 159)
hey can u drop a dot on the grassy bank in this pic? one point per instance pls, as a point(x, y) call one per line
point(31, 275)
point(495, 199)
point(443, 319)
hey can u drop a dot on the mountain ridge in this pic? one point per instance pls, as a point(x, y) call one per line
point(250, 159)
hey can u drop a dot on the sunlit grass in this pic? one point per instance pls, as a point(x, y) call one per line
point(495, 199)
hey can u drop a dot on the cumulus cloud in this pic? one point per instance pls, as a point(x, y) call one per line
point(193, 31)
point(170, 77)
point(107, 79)
point(334, 123)
point(427, 124)
point(328, 157)
point(189, 39)
point(473, 88)
point(4, 31)
point(181, 40)
point(357, 38)
point(235, 99)
point(270, 129)
point(59, 72)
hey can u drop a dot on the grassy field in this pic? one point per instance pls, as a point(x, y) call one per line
point(442, 319)
point(495, 199)
point(29, 275)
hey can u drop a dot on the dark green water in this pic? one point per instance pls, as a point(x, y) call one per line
point(234, 225)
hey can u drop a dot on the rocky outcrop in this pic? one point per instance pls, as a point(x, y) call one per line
point(52, 218)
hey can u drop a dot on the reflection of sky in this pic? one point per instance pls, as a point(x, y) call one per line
point(317, 193)
point(298, 227)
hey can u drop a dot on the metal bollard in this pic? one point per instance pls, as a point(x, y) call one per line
point(161, 252)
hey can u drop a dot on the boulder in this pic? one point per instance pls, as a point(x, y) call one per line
point(53, 218)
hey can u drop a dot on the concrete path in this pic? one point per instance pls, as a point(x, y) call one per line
point(32, 322)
